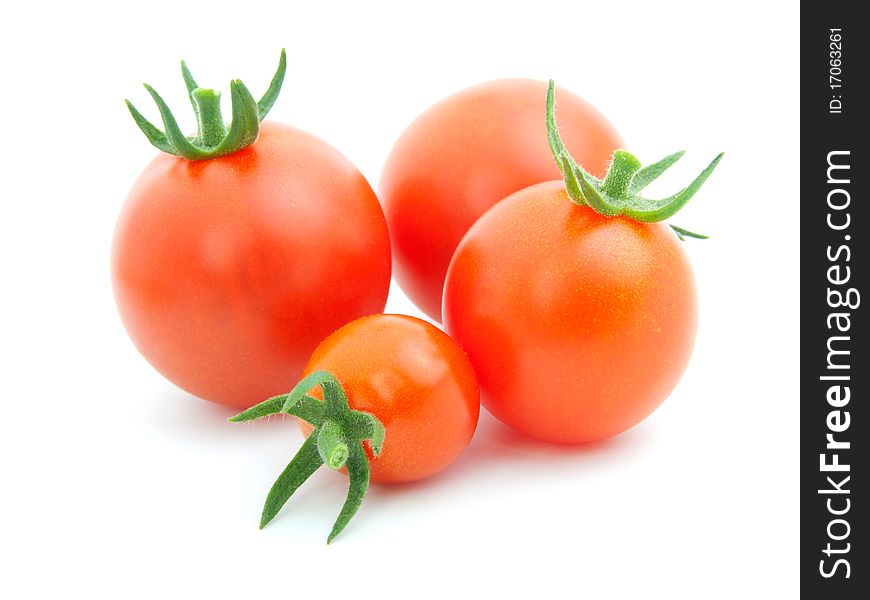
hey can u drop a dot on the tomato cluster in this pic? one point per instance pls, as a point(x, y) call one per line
point(254, 254)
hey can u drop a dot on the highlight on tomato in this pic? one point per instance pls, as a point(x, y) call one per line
point(574, 302)
point(390, 398)
point(239, 249)
point(464, 154)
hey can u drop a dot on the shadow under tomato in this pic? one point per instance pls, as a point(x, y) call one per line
point(495, 451)
point(497, 461)
point(496, 446)
point(185, 418)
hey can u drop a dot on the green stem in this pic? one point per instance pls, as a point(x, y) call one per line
point(619, 193)
point(336, 441)
point(212, 130)
point(214, 137)
point(330, 443)
point(620, 174)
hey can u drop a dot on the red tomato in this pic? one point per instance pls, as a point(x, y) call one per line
point(578, 325)
point(463, 155)
point(412, 377)
point(229, 271)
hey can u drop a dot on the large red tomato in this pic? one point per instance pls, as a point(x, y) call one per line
point(575, 303)
point(229, 271)
point(578, 325)
point(463, 155)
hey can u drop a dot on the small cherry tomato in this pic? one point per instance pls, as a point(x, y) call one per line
point(387, 398)
point(412, 377)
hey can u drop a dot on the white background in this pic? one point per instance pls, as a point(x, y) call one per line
point(118, 485)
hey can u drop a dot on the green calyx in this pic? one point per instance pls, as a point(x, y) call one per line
point(213, 138)
point(336, 441)
point(619, 192)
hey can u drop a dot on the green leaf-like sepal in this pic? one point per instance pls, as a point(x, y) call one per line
point(213, 137)
point(336, 441)
point(303, 465)
point(358, 485)
point(684, 233)
point(619, 192)
point(650, 173)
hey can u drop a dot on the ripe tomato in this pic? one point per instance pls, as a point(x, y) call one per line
point(228, 272)
point(415, 379)
point(463, 155)
point(578, 325)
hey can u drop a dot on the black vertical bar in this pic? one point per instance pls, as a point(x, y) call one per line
point(835, 362)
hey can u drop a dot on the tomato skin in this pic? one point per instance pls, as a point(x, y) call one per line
point(463, 155)
point(228, 272)
point(577, 324)
point(412, 377)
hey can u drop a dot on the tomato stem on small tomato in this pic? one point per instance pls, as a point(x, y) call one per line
point(331, 446)
point(619, 192)
point(213, 137)
point(336, 441)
